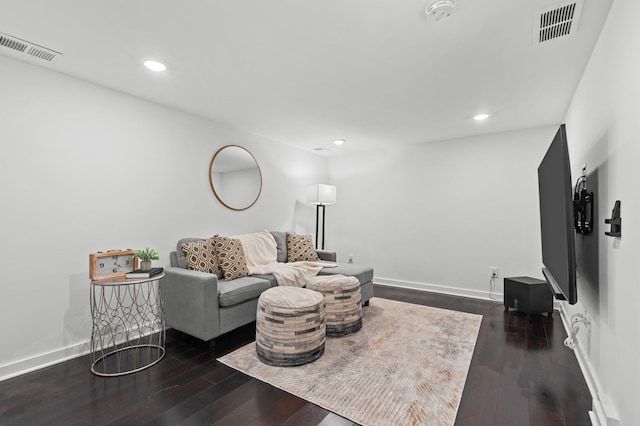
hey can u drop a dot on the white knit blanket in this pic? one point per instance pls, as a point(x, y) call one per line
point(261, 252)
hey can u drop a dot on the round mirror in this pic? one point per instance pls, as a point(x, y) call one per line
point(235, 177)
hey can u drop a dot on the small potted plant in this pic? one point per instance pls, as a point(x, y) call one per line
point(146, 256)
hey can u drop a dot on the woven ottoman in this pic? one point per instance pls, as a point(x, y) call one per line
point(343, 302)
point(290, 326)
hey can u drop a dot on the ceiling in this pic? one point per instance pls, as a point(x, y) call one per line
point(305, 72)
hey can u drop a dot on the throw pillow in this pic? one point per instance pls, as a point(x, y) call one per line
point(201, 256)
point(300, 248)
point(281, 244)
point(180, 258)
point(231, 257)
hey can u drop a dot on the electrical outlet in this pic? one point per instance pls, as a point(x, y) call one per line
point(494, 272)
point(584, 170)
point(350, 258)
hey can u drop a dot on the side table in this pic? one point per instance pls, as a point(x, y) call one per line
point(128, 333)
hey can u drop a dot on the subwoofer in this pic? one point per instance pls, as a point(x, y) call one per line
point(528, 295)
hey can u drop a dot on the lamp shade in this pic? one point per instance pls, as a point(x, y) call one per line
point(321, 194)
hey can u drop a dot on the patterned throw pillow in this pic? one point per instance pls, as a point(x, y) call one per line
point(231, 257)
point(300, 247)
point(201, 256)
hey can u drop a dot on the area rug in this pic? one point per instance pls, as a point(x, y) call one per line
point(407, 365)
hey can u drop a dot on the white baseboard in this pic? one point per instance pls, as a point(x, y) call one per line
point(46, 359)
point(604, 412)
point(436, 288)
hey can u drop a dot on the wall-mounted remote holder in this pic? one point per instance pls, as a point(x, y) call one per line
point(615, 221)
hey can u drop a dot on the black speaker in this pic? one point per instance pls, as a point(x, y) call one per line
point(528, 295)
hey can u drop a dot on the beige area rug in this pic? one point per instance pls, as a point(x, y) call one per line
point(407, 365)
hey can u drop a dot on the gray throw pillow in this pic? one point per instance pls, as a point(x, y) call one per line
point(281, 243)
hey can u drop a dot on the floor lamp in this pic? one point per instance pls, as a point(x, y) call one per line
point(321, 195)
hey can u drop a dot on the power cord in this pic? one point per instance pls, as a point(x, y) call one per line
point(581, 183)
point(576, 319)
point(492, 282)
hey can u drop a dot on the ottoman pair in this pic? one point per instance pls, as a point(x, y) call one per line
point(292, 322)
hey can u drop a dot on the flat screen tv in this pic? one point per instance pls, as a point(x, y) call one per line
point(556, 219)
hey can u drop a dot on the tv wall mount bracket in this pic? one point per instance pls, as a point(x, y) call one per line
point(582, 208)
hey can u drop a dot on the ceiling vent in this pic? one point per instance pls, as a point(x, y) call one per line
point(22, 49)
point(556, 21)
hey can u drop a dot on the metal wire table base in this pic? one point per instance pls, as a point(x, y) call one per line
point(128, 333)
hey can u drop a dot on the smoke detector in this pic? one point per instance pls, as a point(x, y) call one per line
point(439, 10)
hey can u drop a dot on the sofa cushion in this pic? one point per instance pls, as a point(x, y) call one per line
point(239, 290)
point(300, 248)
point(201, 256)
point(281, 244)
point(364, 274)
point(231, 257)
point(268, 277)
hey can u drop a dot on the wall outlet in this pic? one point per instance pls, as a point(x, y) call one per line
point(350, 258)
point(494, 272)
point(584, 170)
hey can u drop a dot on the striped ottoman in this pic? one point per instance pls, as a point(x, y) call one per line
point(290, 326)
point(344, 302)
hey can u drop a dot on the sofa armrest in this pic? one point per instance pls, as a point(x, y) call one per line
point(329, 256)
point(192, 302)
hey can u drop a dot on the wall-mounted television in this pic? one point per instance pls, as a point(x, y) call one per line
point(557, 219)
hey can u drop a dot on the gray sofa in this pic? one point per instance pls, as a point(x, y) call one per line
point(203, 306)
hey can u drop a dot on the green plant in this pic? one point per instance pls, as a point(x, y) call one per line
point(147, 254)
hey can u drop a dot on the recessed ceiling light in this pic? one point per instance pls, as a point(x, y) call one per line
point(154, 65)
point(338, 142)
point(480, 117)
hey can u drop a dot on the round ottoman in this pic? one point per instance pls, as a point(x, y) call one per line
point(290, 326)
point(343, 300)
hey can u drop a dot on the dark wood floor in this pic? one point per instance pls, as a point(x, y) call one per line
point(521, 374)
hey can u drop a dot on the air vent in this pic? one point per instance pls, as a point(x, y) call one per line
point(21, 49)
point(557, 21)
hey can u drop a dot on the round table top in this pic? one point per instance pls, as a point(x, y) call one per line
point(126, 281)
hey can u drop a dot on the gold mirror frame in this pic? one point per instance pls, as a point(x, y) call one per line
point(218, 194)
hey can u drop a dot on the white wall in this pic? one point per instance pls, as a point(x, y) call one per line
point(84, 169)
point(603, 130)
point(439, 215)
